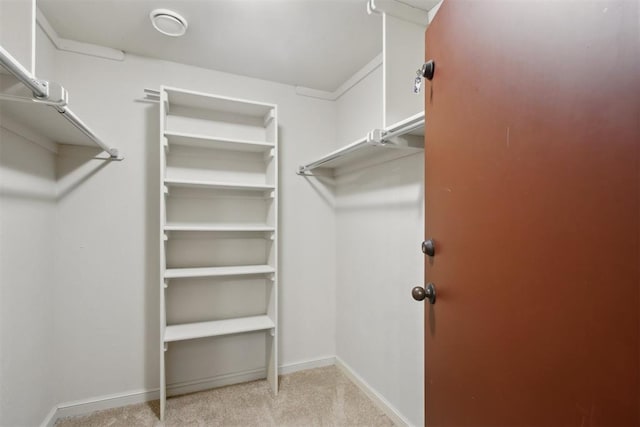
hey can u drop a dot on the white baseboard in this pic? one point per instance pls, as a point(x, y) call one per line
point(50, 419)
point(177, 389)
point(376, 397)
point(87, 406)
point(303, 365)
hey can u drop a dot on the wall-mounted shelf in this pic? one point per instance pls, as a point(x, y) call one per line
point(186, 183)
point(203, 141)
point(398, 140)
point(218, 227)
point(216, 103)
point(241, 270)
point(217, 328)
point(42, 107)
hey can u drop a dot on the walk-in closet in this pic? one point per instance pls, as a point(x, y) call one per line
point(319, 212)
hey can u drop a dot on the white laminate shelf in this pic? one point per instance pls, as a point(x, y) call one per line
point(204, 141)
point(203, 101)
point(217, 328)
point(189, 226)
point(240, 270)
point(192, 183)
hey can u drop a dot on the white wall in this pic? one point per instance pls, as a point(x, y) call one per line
point(27, 285)
point(360, 109)
point(379, 230)
point(107, 230)
point(27, 220)
point(17, 31)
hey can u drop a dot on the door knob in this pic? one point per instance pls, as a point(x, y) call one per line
point(426, 72)
point(429, 292)
point(428, 69)
point(428, 247)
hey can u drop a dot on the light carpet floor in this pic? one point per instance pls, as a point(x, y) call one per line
point(316, 397)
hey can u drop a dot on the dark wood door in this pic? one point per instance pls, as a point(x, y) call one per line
point(532, 197)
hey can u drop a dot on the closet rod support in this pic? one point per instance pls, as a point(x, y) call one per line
point(39, 89)
point(53, 95)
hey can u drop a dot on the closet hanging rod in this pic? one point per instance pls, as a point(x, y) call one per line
point(40, 90)
point(376, 137)
point(404, 127)
point(304, 170)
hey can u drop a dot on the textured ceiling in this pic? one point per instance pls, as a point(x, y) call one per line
point(312, 43)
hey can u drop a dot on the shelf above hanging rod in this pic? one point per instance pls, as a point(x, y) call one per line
point(46, 98)
point(398, 140)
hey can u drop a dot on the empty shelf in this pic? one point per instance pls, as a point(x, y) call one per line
point(203, 101)
point(187, 226)
point(217, 328)
point(190, 183)
point(240, 270)
point(203, 141)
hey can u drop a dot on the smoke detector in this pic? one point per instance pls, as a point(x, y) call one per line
point(168, 22)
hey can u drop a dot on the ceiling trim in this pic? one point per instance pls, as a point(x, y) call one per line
point(75, 46)
point(399, 10)
point(356, 78)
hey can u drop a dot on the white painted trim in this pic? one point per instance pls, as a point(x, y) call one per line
point(51, 418)
point(433, 11)
point(315, 93)
point(87, 406)
point(384, 70)
point(116, 400)
point(75, 46)
point(356, 78)
point(185, 387)
point(33, 37)
point(369, 68)
point(400, 10)
point(28, 134)
point(44, 24)
point(376, 397)
point(304, 365)
point(91, 50)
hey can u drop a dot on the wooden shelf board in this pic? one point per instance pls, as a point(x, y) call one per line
point(204, 141)
point(190, 183)
point(240, 270)
point(217, 328)
point(187, 226)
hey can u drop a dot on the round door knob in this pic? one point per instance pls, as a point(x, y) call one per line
point(419, 293)
point(428, 247)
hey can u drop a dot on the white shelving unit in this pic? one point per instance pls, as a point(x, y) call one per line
point(219, 217)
